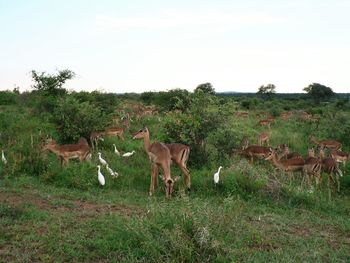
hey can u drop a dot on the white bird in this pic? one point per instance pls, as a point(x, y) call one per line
point(114, 174)
point(128, 154)
point(116, 150)
point(100, 176)
point(102, 161)
point(217, 176)
point(3, 157)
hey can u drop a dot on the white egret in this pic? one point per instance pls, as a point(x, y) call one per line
point(116, 150)
point(102, 161)
point(217, 176)
point(100, 176)
point(114, 174)
point(128, 154)
point(3, 158)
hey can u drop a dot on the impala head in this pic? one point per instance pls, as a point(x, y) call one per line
point(311, 152)
point(141, 133)
point(271, 155)
point(49, 143)
point(169, 185)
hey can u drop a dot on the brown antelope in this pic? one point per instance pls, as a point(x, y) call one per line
point(312, 167)
point(330, 144)
point(68, 151)
point(114, 131)
point(286, 154)
point(265, 122)
point(330, 166)
point(94, 137)
point(288, 165)
point(264, 137)
point(244, 143)
point(255, 151)
point(159, 155)
point(340, 157)
point(242, 114)
point(179, 154)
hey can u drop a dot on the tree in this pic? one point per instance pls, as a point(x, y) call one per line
point(319, 92)
point(205, 88)
point(51, 84)
point(267, 91)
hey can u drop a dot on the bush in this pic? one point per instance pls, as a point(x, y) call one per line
point(75, 119)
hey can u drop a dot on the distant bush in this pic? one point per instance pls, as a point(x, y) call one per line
point(8, 97)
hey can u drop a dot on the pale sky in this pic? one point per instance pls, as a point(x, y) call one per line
point(135, 46)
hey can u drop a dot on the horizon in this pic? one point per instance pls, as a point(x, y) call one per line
point(120, 47)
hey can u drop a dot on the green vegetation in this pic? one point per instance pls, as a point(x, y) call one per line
point(255, 213)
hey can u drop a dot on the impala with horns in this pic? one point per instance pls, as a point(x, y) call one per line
point(159, 155)
point(286, 154)
point(68, 151)
point(330, 144)
point(255, 151)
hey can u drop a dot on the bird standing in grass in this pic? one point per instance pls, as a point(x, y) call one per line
point(100, 176)
point(102, 161)
point(128, 154)
point(217, 176)
point(114, 174)
point(116, 150)
point(3, 158)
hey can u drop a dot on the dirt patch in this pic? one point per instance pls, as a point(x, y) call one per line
point(84, 209)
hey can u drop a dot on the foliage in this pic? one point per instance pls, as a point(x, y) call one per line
point(319, 92)
point(75, 119)
point(267, 91)
point(8, 97)
point(205, 88)
point(51, 84)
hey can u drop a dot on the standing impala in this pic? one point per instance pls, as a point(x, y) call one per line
point(264, 137)
point(330, 144)
point(159, 155)
point(68, 151)
point(340, 157)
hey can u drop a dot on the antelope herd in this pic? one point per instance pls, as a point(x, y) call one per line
point(162, 155)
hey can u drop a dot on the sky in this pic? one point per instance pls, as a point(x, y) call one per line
point(158, 45)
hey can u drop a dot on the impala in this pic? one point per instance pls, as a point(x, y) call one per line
point(159, 155)
point(94, 137)
point(330, 166)
point(312, 167)
point(264, 137)
point(114, 131)
point(255, 151)
point(340, 157)
point(244, 143)
point(265, 122)
point(286, 154)
point(288, 165)
point(68, 151)
point(330, 144)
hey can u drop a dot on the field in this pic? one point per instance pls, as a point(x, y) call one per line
point(50, 213)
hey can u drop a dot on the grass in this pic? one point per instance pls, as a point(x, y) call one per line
point(255, 214)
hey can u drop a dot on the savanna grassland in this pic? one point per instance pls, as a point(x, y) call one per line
point(50, 213)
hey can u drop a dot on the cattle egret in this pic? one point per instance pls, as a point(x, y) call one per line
point(128, 154)
point(3, 157)
point(116, 150)
point(217, 176)
point(114, 174)
point(100, 176)
point(102, 161)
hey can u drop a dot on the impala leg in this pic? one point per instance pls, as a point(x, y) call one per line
point(187, 174)
point(154, 173)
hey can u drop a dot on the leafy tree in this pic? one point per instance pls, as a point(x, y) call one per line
point(75, 119)
point(52, 83)
point(205, 88)
point(267, 91)
point(319, 92)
